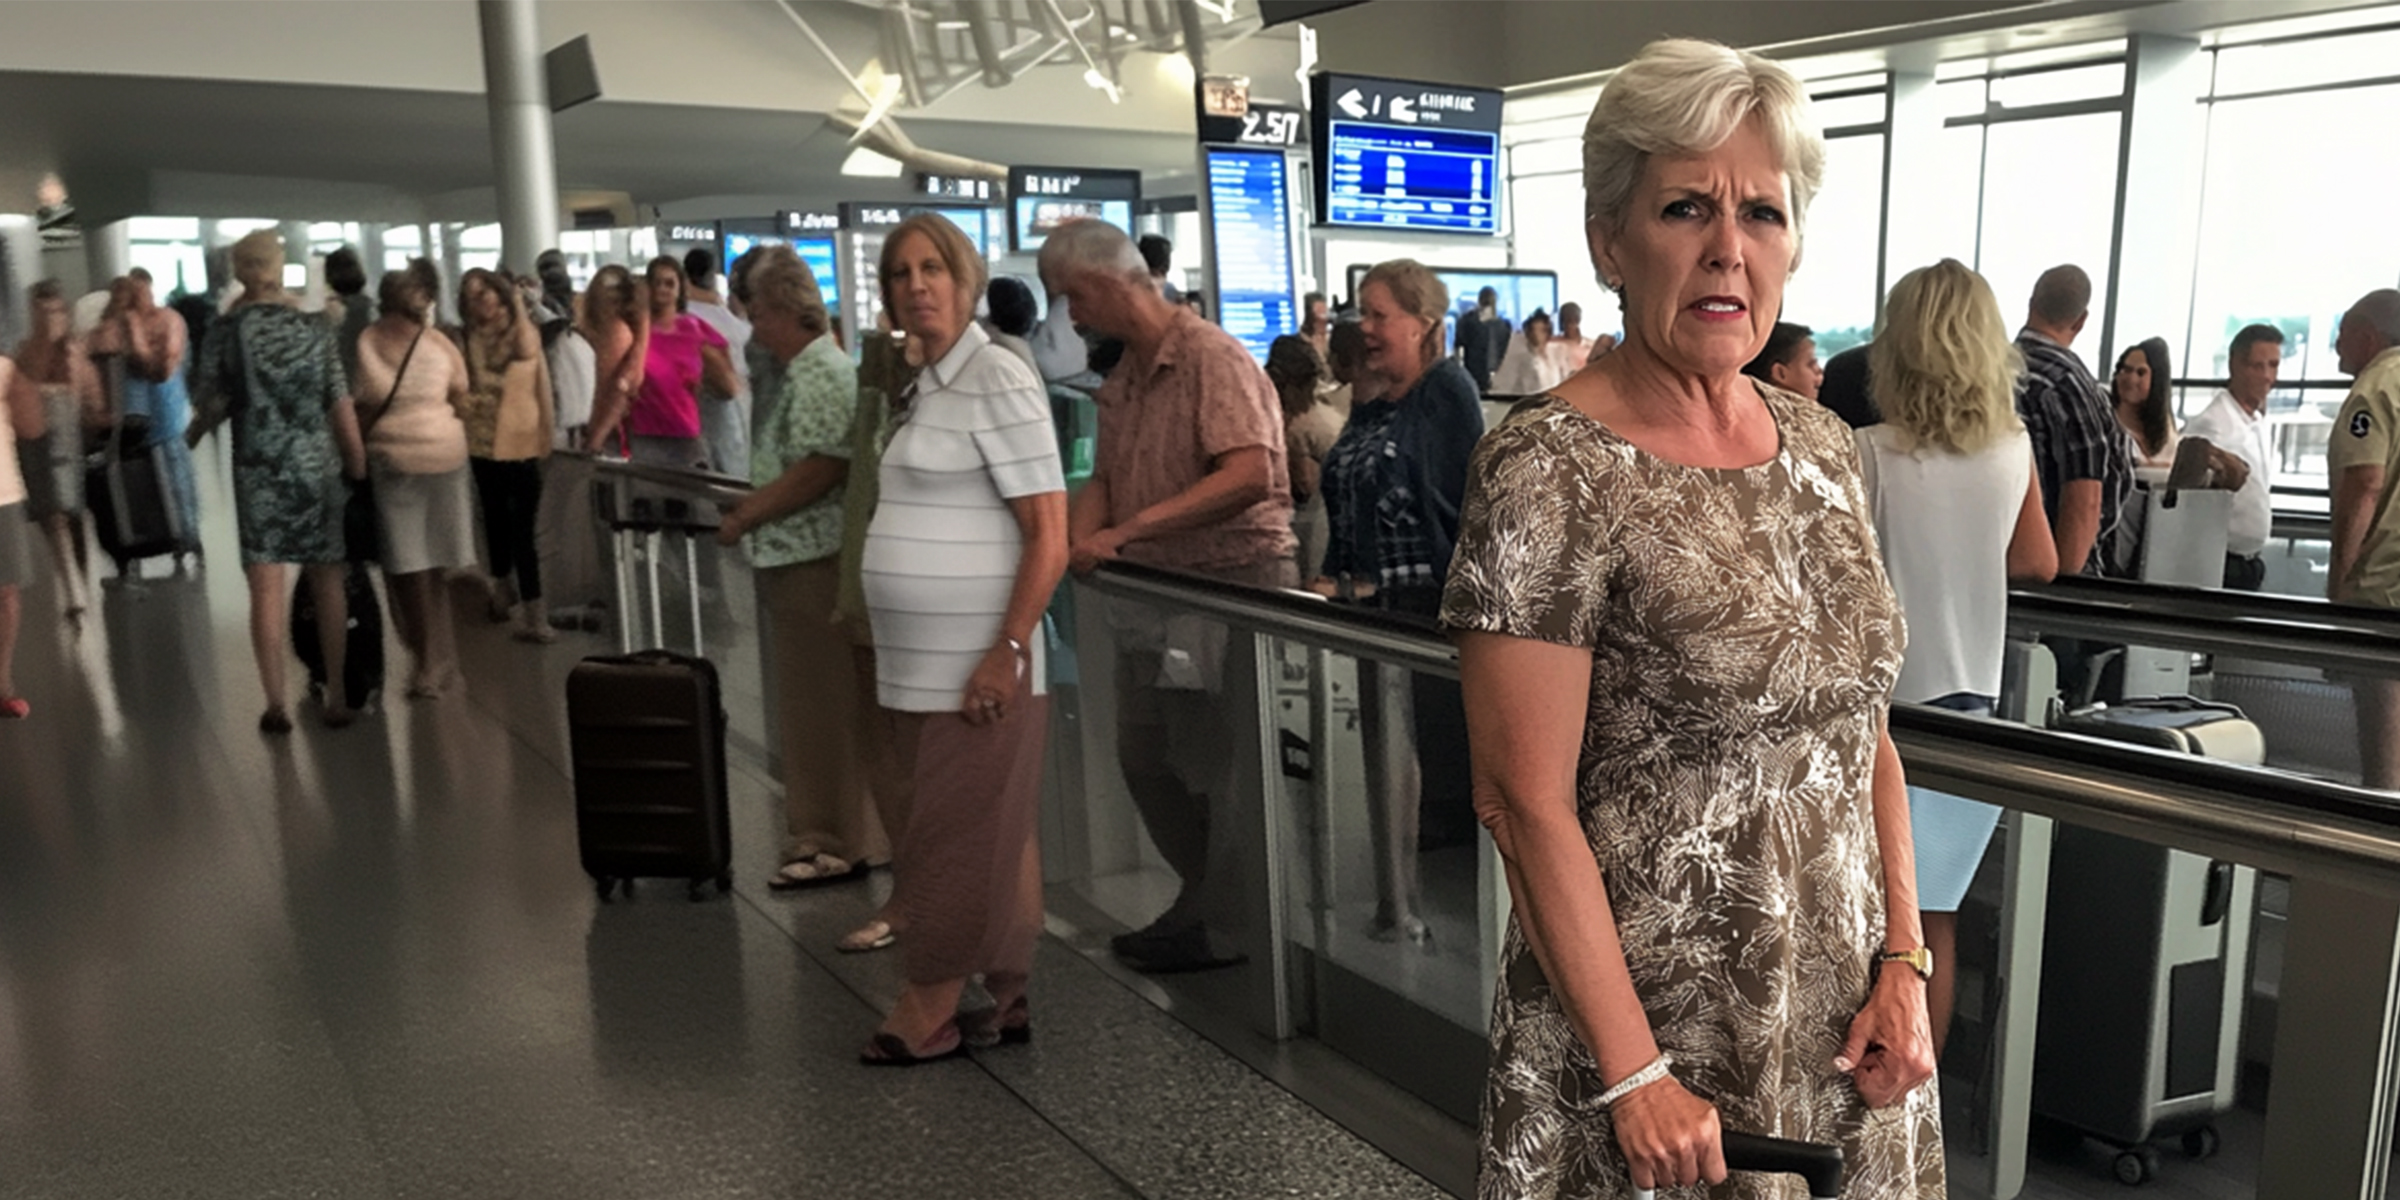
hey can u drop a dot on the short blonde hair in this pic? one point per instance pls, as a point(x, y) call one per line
point(965, 262)
point(1942, 367)
point(1416, 289)
point(1683, 97)
point(784, 283)
point(258, 258)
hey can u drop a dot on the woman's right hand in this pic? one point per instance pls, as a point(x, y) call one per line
point(1670, 1137)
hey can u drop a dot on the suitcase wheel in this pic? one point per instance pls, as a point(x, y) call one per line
point(2202, 1142)
point(2136, 1166)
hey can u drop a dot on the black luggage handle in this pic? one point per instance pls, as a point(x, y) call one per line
point(1820, 1165)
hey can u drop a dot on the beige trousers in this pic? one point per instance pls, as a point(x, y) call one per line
point(831, 735)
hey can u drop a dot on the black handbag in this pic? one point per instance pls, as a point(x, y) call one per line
point(362, 532)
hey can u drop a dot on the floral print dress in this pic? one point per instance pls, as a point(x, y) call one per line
point(282, 370)
point(1744, 646)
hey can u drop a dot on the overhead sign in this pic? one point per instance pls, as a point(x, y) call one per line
point(688, 231)
point(954, 187)
point(1228, 116)
point(796, 221)
point(873, 217)
point(1395, 154)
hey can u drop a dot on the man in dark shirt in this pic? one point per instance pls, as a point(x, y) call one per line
point(1483, 337)
point(1847, 391)
point(2083, 456)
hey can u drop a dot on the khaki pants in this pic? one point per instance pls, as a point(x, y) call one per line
point(830, 734)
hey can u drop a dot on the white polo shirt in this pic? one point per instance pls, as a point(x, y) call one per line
point(2245, 435)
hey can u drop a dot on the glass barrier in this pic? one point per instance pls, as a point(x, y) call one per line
point(2120, 950)
point(1256, 803)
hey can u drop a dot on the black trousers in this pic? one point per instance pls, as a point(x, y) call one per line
point(2245, 573)
point(511, 494)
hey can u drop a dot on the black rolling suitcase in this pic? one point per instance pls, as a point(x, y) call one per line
point(647, 740)
point(2145, 960)
point(648, 745)
point(132, 498)
point(362, 659)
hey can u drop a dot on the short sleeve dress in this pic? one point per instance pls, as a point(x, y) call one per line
point(1744, 646)
point(284, 369)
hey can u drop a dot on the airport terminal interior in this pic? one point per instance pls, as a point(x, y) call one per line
point(395, 953)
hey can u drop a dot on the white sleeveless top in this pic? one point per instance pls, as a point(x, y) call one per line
point(1944, 522)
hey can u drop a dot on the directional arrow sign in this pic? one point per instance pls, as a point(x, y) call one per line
point(1350, 104)
point(1403, 111)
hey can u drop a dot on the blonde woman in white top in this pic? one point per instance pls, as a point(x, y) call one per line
point(968, 542)
point(1958, 514)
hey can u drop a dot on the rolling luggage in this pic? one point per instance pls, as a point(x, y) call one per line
point(362, 659)
point(132, 498)
point(2145, 960)
point(1819, 1166)
point(647, 743)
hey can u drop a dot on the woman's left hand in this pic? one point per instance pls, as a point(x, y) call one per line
point(1890, 1048)
point(993, 686)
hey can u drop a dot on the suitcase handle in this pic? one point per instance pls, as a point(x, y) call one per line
point(1820, 1165)
point(2219, 896)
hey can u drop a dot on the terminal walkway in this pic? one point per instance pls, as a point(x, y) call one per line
point(366, 964)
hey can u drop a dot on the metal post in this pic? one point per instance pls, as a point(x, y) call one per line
point(108, 253)
point(524, 165)
point(2330, 1103)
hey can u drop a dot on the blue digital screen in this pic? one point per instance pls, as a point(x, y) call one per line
point(1394, 177)
point(1521, 294)
point(976, 224)
point(1037, 216)
point(817, 252)
point(1250, 212)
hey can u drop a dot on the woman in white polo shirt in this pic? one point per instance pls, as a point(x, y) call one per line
point(968, 542)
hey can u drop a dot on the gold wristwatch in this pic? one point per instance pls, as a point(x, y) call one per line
point(1919, 960)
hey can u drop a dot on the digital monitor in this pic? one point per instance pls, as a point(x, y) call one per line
point(1521, 293)
point(1043, 198)
point(1391, 154)
point(1250, 239)
point(880, 218)
point(818, 252)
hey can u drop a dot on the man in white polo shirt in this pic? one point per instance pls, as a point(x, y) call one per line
point(2236, 422)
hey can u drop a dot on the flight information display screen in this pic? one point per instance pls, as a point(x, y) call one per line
point(1392, 154)
point(1250, 236)
point(817, 252)
point(1044, 198)
point(1520, 294)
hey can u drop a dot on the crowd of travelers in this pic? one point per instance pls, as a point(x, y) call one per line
point(1678, 573)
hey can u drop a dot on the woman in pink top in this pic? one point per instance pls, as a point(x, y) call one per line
point(664, 422)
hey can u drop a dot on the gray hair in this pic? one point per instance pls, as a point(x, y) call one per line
point(1682, 96)
point(1089, 245)
point(2062, 295)
point(783, 283)
point(2380, 309)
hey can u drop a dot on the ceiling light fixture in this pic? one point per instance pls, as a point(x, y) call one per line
point(1100, 82)
point(867, 163)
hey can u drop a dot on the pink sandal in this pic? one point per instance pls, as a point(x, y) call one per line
point(15, 709)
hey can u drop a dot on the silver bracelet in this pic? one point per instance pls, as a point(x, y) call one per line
point(1643, 1078)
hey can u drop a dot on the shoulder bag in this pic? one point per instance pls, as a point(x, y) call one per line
point(362, 535)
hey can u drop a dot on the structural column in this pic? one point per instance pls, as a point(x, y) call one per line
point(2158, 208)
point(524, 167)
point(108, 252)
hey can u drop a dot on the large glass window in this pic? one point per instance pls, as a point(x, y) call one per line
point(1834, 291)
point(2263, 257)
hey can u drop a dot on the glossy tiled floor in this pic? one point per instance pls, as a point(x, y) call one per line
point(365, 964)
